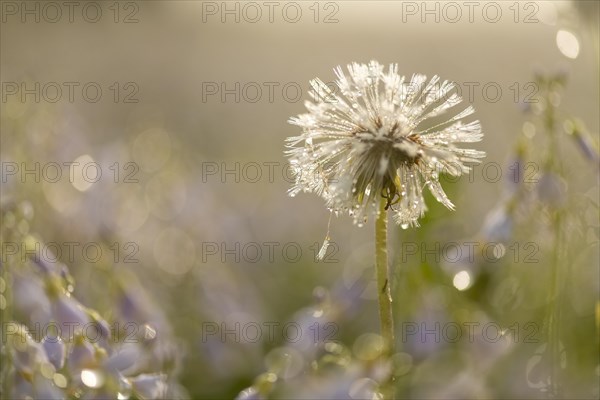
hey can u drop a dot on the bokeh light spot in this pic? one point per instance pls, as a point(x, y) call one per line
point(91, 378)
point(84, 172)
point(567, 44)
point(174, 251)
point(462, 280)
point(152, 149)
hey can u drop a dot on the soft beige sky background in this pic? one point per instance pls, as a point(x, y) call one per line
point(177, 48)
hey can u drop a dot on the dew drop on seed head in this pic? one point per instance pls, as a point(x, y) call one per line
point(404, 226)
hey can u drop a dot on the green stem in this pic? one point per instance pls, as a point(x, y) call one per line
point(554, 165)
point(383, 285)
point(554, 310)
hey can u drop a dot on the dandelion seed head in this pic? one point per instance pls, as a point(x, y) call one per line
point(376, 138)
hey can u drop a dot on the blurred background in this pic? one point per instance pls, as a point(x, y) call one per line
point(175, 114)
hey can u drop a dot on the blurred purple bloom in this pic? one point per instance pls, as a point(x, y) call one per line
point(551, 190)
point(45, 389)
point(28, 355)
point(583, 141)
point(69, 315)
point(124, 358)
point(150, 386)
point(30, 299)
point(82, 356)
point(55, 350)
point(498, 225)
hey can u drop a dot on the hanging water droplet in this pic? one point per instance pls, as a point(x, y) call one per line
point(404, 226)
point(323, 250)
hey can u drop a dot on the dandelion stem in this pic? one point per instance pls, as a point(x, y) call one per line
point(554, 312)
point(383, 286)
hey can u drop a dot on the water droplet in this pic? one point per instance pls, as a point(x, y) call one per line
point(124, 389)
point(402, 363)
point(404, 226)
point(499, 250)
point(283, 362)
point(60, 380)
point(369, 346)
point(323, 250)
point(149, 333)
point(91, 378)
